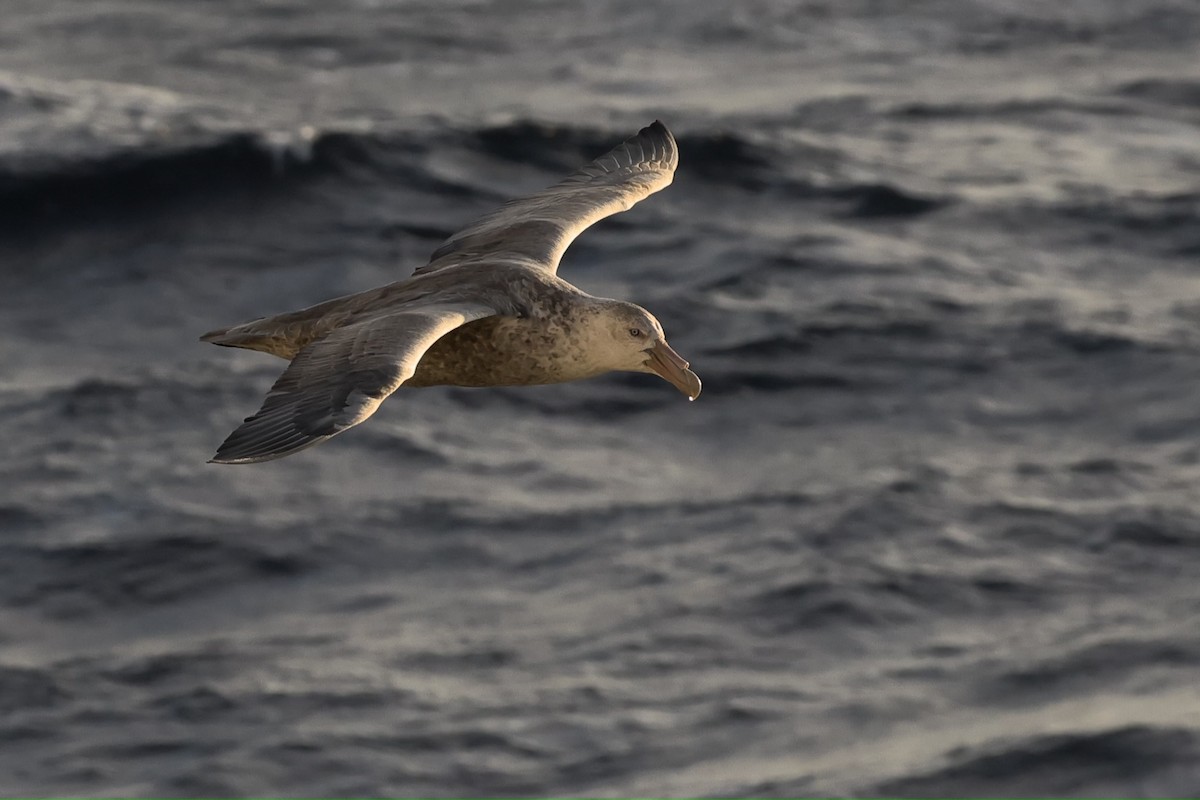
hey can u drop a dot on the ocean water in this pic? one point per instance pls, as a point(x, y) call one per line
point(931, 530)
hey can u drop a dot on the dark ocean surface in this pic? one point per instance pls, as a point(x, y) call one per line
point(931, 530)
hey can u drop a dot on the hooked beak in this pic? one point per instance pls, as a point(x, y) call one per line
point(670, 366)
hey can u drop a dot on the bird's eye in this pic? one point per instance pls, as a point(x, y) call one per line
point(635, 332)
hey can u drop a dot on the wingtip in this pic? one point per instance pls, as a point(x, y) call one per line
point(241, 458)
point(247, 447)
point(250, 460)
point(656, 127)
point(659, 131)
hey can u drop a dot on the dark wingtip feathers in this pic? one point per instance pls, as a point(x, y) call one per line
point(274, 432)
point(251, 453)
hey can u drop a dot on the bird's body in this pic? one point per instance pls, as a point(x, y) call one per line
point(508, 351)
point(488, 310)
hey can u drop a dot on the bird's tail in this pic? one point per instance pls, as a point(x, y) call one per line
point(263, 335)
point(285, 334)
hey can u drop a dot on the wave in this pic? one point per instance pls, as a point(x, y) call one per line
point(820, 605)
point(1163, 224)
point(1141, 213)
point(884, 599)
point(1090, 763)
point(142, 178)
point(22, 688)
point(15, 517)
point(1007, 109)
point(882, 200)
point(1105, 664)
point(734, 159)
point(120, 180)
point(1166, 91)
point(720, 383)
point(81, 579)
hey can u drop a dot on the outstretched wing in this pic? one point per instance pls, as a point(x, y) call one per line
point(540, 227)
point(338, 381)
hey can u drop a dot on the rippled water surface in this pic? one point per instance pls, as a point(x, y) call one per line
point(931, 530)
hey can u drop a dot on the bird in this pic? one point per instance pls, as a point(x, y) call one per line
point(488, 309)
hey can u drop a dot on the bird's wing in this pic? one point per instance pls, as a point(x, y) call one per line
point(540, 227)
point(338, 381)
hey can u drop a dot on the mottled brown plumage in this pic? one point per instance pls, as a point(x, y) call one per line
point(487, 310)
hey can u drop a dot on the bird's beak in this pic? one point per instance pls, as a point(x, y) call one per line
point(670, 366)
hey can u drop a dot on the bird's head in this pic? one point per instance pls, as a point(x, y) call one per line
point(633, 341)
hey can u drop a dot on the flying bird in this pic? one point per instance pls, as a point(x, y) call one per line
point(487, 310)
